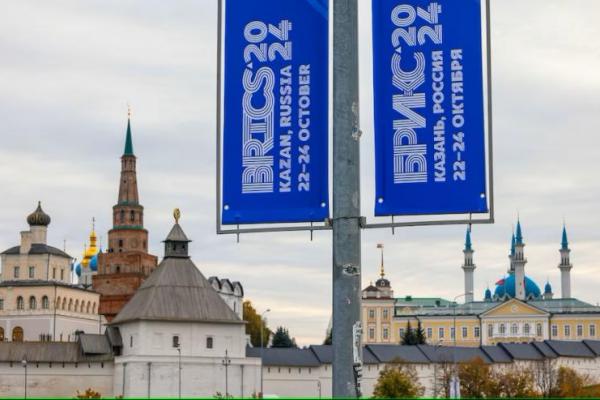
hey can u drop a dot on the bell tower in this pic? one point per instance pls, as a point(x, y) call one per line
point(126, 263)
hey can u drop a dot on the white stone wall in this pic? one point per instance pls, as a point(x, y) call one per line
point(55, 380)
point(200, 377)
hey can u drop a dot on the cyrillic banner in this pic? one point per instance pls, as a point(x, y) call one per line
point(429, 107)
point(275, 157)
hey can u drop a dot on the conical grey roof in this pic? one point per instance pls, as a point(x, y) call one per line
point(177, 235)
point(177, 291)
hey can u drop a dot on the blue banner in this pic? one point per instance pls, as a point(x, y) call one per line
point(429, 107)
point(275, 134)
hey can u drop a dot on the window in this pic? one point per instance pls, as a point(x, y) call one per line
point(209, 342)
point(45, 303)
point(490, 330)
point(371, 313)
point(538, 329)
point(122, 216)
point(176, 341)
point(385, 333)
point(514, 329)
point(20, 303)
point(429, 333)
point(31, 272)
point(567, 330)
point(579, 330)
point(452, 333)
point(441, 333)
point(17, 334)
point(592, 330)
point(502, 330)
point(371, 333)
point(476, 332)
point(132, 216)
point(120, 242)
point(131, 341)
point(554, 331)
point(1, 334)
point(32, 303)
point(62, 274)
point(16, 272)
point(464, 332)
point(526, 329)
point(385, 314)
point(1, 304)
point(402, 332)
point(54, 273)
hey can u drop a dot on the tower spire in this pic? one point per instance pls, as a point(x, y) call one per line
point(128, 139)
point(468, 267)
point(565, 265)
point(381, 270)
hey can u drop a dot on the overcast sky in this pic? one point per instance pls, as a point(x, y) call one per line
point(69, 67)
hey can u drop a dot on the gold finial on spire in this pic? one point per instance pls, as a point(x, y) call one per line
point(382, 271)
point(128, 110)
point(176, 215)
point(93, 224)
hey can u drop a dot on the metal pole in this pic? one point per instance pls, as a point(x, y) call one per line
point(261, 350)
point(346, 195)
point(24, 363)
point(179, 351)
point(149, 377)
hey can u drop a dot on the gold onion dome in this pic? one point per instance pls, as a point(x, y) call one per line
point(38, 217)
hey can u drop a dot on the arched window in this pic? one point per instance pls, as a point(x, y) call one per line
point(514, 329)
point(32, 303)
point(82, 306)
point(122, 216)
point(76, 305)
point(17, 334)
point(526, 329)
point(538, 329)
point(1, 334)
point(70, 304)
point(57, 306)
point(20, 303)
point(502, 329)
point(87, 308)
point(64, 304)
point(94, 308)
point(132, 216)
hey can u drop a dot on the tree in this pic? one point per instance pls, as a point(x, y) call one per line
point(88, 394)
point(516, 383)
point(329, 339)
point(420, 334)
point(254, 325)
point(282, 338)
point(570, 383)
point(545, 373)
point(476, 379)
point(398, 381)
point(409, 338)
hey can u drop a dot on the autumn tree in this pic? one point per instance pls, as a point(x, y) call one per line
point(282, 338)
point(398, 381)
point(570, 383)
point(329, 339)
point(254, 325)
point(516, 382)
point(545, 374)
point(477, 379)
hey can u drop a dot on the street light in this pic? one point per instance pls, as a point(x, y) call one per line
point(24, 364)
point(454, 393)
point(261, 349)
point(437, 348)
point(226, 362)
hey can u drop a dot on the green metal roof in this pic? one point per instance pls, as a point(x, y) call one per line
point(128, 141)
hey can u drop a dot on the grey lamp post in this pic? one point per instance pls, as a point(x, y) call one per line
point(262, 346)
point(179, 356)
point(455, 372)
point(226, 362)
point(24, 363)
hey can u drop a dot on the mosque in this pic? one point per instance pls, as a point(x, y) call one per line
point(517, 311)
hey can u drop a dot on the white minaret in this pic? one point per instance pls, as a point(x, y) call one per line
point(565, 266)
point(469, 268)
point(519, 262)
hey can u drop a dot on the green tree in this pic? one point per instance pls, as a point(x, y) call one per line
point(254, 325)
point(420, 334)
point(398, 381)
point(329, 339)
point(409, 338)
point(282, 338)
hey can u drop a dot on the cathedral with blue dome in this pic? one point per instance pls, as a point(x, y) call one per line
point(88, 266)
point(516, 310)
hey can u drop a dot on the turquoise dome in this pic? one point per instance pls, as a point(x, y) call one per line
point(488, 294)
point(78, 270)
point(94, 263)
point(506, 286)
point(548, 288)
